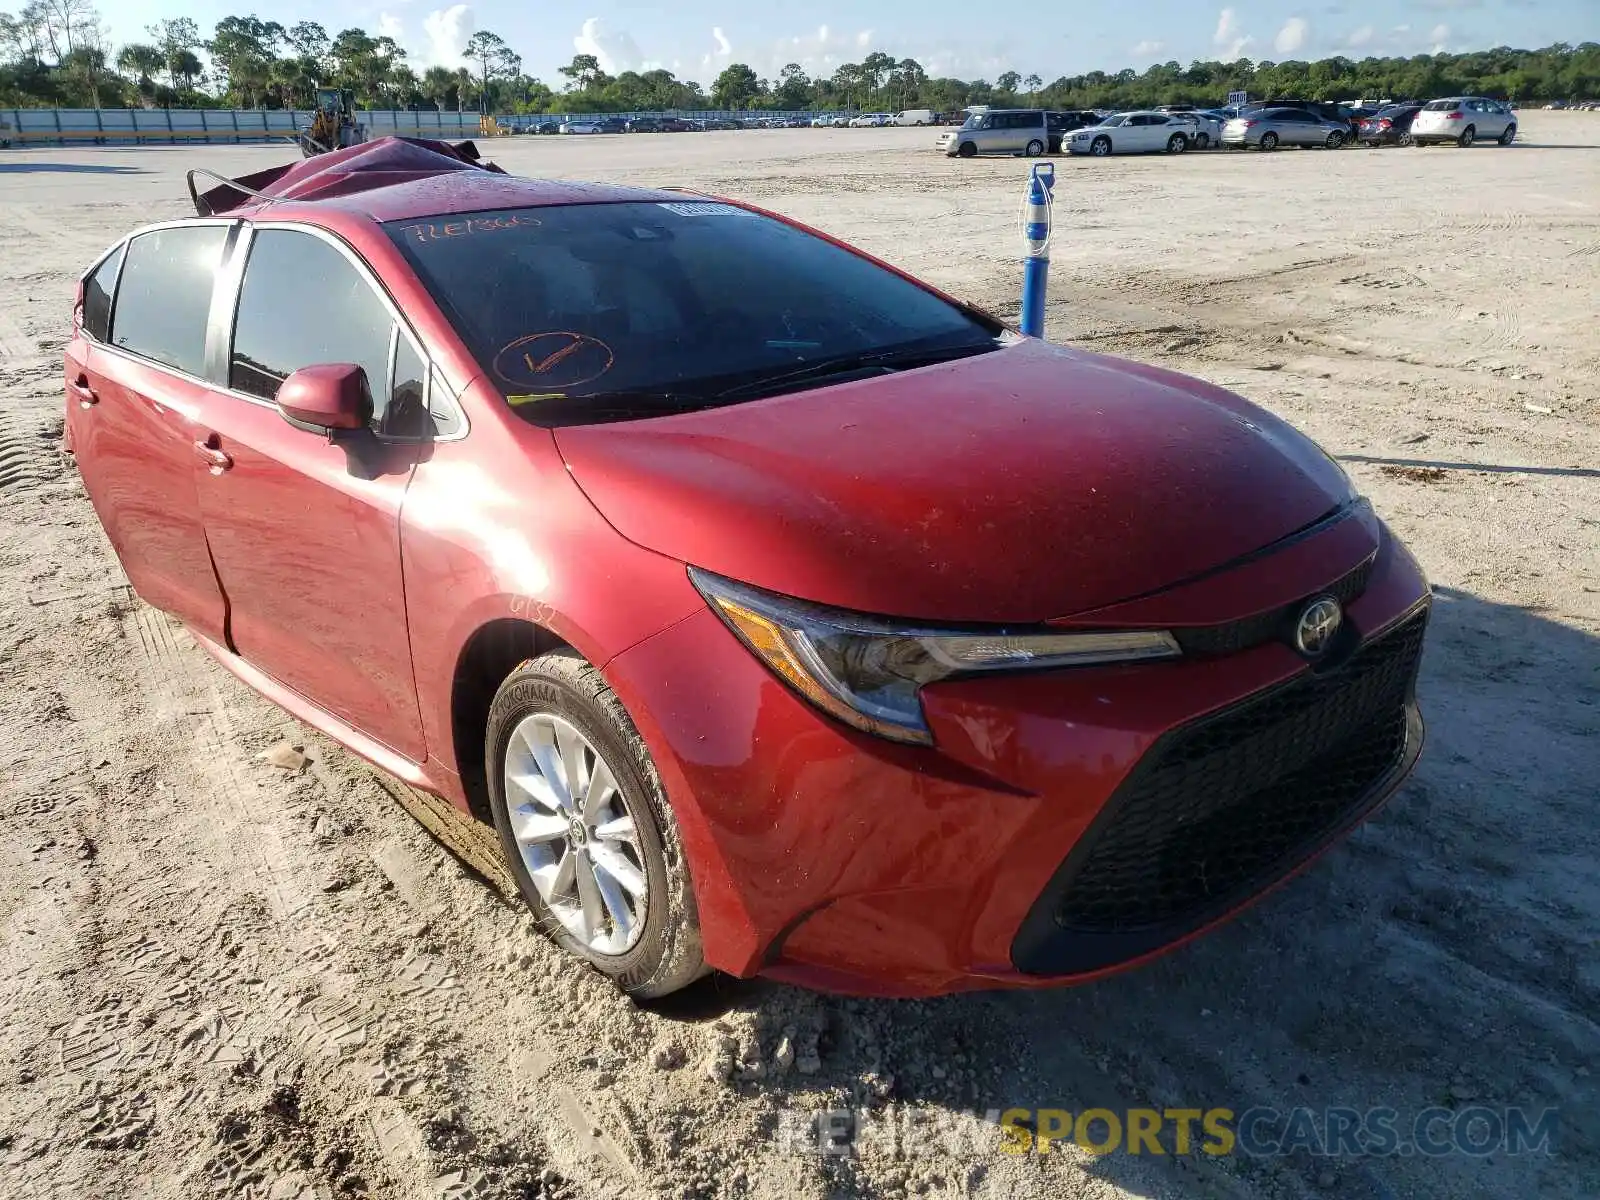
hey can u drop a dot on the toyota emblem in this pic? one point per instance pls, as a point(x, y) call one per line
point(1318, 626)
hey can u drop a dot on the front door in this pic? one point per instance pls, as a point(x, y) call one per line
point(134, 393)
point(305, 531)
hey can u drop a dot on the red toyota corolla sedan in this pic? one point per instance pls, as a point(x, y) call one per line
point(785, 615)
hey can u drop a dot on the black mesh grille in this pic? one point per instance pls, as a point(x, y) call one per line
point(1209, 641)
point(1220, 808)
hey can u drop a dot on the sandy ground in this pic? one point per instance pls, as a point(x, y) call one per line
point(221, 977)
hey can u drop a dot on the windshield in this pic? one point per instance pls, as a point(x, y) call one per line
point(1119, 119)
point(669, 305)
point(973, 120)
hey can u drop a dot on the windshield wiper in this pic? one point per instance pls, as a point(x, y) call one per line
point(902, 359)
point(610, 406)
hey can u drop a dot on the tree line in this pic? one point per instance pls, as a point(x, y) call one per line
point(57, 53)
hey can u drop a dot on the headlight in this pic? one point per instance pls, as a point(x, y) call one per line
point(869, 672)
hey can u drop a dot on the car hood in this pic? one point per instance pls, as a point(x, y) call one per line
point(1017, 486)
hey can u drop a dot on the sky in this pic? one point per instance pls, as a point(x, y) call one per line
point(696, 39)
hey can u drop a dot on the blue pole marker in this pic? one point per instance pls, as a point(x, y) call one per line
point(1036, 257)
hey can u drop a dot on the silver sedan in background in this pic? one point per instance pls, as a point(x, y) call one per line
point(1269, 128)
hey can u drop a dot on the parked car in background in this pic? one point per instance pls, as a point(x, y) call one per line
point(1269, 128)
point(676, 125)
point(545, 127)
point(1389, 126)
point(1062, 122)
point(518, 489)
point(644, 125)
point(1133, 133)
point(1022, 131)
point(580, 125)
point(1205, 130)
point(1464, 120)
point(915, 116)
point(871, 120)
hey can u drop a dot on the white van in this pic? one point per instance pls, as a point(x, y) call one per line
point(915, 116)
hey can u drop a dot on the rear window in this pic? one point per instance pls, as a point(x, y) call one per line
point(164, 295)
point(670, 303)
point(1439, 105)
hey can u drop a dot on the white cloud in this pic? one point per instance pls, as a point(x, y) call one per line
point(1360, 37)
point(1148, 49)
point(1292, 36)
point(1439, 36)
point(446, 32)
point(1228, 38)
point(724, 46)
point(391, 26)
point(864, 38)
point(615, 52)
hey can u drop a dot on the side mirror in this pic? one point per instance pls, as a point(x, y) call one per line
point(326, 398)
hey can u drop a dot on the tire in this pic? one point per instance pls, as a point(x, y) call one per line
point(1269, 141)
point(1100, 147)
point(562, 696)
point(1335, 140)
point(1177, 144)
point(1405, 139)
point(1202, 141)
point(1033, 149)
point(966, 150)
point(1468, 136)
point(1509, 136)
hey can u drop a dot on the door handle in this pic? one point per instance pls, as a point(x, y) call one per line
point(85, 395)
point(211, 453)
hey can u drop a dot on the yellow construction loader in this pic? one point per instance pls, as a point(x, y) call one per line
point(333, 125)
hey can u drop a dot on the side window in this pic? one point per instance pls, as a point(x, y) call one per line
point(164, 295)
point(302, 303)
point(445, 416)
point(407, 414)
point(97, 291)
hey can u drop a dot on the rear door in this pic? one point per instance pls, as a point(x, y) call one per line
point(1298, 128)
point(1493, 117)
point(135, 382)
point(305, 531)
point(1146, 132)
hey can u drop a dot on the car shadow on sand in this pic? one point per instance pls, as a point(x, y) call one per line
point(1432, 962)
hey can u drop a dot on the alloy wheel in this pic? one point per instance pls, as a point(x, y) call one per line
point(1100, 147)
point(1269, 141)
point(576, 834)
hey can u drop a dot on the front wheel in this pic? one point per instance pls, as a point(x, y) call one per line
point(1177, 144)
point(586, 829)
point(1100, 147)
point(1405, 139)
point(1468, 136)
point(1509, 136)
point(1034, 148)
point(967, 150)
point(1335, 140)
point(1269, 141)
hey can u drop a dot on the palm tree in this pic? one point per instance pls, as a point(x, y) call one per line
point(1033, 83)
point(182, 64)
point(140, 61)
point(438, 83)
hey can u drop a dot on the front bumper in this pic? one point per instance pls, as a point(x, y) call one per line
point(836, 860)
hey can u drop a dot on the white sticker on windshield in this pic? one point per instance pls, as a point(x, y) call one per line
point(702, 209)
